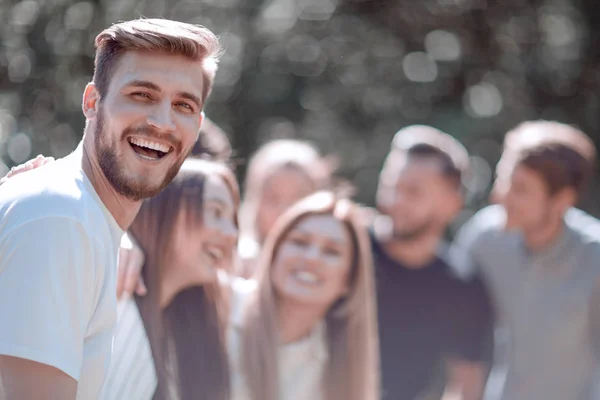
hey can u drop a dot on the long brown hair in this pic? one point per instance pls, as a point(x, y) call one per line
point(187, 336)
point(352, 371)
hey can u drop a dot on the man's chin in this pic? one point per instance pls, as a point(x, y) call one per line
point(406, 236)
point(137, 184)
point(138, 191)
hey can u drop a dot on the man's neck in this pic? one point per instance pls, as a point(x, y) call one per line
point(297, 321)
point(413, 254)
point(122, 209)
point(545, 236)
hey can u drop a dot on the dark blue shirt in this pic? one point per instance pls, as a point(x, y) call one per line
point(425, 316)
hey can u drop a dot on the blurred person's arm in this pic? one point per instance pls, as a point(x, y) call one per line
point(468, 250)
point(22, 379)
point(469, 363)
point(466, 380)
point(34, 163)
point(129, 271)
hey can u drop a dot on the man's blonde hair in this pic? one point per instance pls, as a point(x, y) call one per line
point(159, 35)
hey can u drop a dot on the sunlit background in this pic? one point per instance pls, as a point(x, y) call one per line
point(346, 74)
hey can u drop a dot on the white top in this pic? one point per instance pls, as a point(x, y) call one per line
point(132, 374)
point(58, 258)
point(301, 364)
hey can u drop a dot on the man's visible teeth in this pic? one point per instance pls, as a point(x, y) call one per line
point(150, 145)
point(147, 158)
point(306, 277)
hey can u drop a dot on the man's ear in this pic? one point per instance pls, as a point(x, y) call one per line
point(200, 121)
point(565, 199)
point(453, 205)
point(91, 100)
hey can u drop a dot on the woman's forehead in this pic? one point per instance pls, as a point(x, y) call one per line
point(325, 226)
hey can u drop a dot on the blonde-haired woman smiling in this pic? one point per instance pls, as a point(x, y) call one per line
point(306, 328)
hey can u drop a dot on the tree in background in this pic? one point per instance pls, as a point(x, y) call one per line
point(346, 74)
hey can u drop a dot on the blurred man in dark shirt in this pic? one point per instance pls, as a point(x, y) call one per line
point(429, 319)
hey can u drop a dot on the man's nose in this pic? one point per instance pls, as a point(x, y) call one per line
point(161, 117)
point(312, 254)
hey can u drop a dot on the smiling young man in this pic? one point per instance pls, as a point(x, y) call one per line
point(60, 225)
point(429, 319)
point(539, 257)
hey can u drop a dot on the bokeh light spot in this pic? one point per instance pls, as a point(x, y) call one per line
point(443, 46)
point(484, 100)
point(420, 67)
point(19, 148)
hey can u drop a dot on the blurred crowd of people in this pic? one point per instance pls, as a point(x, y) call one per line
point(296, 289)
point(290, 290)
point(526, 266)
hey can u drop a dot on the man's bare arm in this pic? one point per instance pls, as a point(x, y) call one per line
point(466, 380)
point(22, 379)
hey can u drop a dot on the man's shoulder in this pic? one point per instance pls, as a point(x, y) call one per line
point(476, 238)
point(55, 190)
point(584, 224)
point(488, 219)
point(451, 263)
point(487, 225)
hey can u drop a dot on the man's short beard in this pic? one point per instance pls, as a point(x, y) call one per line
point(106, 154)
point(413, 235)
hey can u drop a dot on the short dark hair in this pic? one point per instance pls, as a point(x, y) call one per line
point(426, 141)
point(561, 154)
point(559, 165)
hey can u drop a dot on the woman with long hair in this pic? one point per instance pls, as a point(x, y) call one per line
point(170, 343)
point(279, 174)
point(306, 328)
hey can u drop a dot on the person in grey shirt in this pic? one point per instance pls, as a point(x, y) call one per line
point(539, 257)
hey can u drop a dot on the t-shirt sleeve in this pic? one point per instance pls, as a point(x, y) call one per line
point(46, 292)
point(472, 332)
point(462, 254)
point(583, 222)
point(466, 246)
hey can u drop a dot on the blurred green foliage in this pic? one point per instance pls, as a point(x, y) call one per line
point(346, 74)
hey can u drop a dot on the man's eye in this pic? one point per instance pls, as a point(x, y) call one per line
point(141, 95)
point(185, 105)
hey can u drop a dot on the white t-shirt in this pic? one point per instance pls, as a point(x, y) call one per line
point(301, 364)
point(58, 257)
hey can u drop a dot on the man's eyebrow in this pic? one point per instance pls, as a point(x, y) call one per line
point(144, 84)
point(191, 97)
